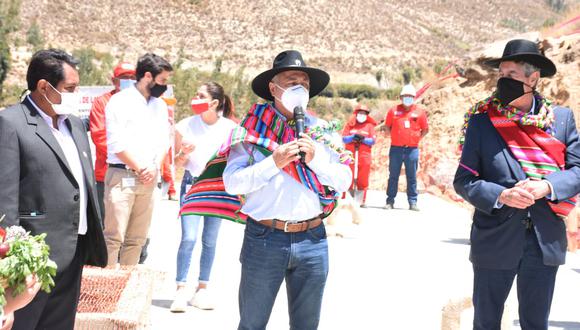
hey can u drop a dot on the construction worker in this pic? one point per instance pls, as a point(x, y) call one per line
point(359, 136)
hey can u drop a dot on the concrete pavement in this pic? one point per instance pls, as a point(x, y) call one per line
point(394, 271)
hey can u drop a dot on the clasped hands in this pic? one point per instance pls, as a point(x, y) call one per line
point(525, 193)
point(290, 152)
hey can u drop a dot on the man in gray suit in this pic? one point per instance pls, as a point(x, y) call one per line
point(47, 184)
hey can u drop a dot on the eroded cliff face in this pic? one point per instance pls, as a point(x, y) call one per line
point(447, 102)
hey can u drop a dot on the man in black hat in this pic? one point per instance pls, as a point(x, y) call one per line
point(520, 168)
point(289, 184)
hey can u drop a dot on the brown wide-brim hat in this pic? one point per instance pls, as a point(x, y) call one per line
point(286, 61)
point(525, 51)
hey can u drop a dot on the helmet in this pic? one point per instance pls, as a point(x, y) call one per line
point(408, 90)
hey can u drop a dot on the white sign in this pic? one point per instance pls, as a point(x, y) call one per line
point(88, 95)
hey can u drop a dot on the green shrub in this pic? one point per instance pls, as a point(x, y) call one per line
point(514, 24)
point(95, 68)
point(393, 93)
point(351, 91)
point(11, 95)
point(331, 108)
point(187, 81)
point(557, 5)
point(9, 21)
point(34, 37)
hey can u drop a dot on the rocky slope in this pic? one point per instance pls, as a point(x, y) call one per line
point(446, 103)
point(343, 36)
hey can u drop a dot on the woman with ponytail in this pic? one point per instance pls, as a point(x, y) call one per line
point(197, 139)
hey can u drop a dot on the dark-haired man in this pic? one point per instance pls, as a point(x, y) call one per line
point(520, 169)
point(137, 141)
point(47, 184)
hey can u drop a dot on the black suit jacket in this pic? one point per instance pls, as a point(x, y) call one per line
point(498, 235)
point(38, 190)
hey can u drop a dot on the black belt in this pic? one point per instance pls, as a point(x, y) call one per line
point(405, 146)
point(121, 166)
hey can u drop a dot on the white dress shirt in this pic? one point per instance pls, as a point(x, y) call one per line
point(136, 125)
point(271, 193)
point(67, 144)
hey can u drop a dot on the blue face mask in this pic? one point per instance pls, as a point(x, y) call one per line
point(408, 101)
point(126, 83)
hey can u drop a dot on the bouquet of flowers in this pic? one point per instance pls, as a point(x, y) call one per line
point(21, 255)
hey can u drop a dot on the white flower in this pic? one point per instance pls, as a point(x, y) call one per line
point(14, 233)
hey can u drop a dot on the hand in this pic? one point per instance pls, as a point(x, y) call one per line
point(23, 298)
point(186, 148)
point(147, 174)
point(307, 146)
point(517, 197)
point(7, 321)
point(538, 188)
point(286, 154)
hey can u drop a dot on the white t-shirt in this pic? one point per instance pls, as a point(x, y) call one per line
point(206, 138)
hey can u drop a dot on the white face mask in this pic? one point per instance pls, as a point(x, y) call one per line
point(126, 83)
point(69, 103)
point(361, 117)
point(408, 101)
point(294, 96)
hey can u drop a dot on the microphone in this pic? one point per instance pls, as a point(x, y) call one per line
point(299, 119)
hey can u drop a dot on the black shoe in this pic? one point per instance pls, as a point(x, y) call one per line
point(389, 206)
point(414, 207)
point(363, 206)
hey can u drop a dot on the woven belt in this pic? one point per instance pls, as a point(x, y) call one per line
point(292, 227)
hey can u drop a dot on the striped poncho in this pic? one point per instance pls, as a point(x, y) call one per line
point(265, 130)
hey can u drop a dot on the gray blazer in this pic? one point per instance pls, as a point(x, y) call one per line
point(38, 190)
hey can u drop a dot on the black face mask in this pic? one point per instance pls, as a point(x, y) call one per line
point(157, 90)
point(509, 89)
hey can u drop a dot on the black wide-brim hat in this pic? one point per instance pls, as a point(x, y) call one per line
point(286, 61)
point(526, 51)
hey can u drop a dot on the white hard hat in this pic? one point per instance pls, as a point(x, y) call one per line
point(408, 90)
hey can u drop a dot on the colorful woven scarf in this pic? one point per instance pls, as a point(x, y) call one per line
point(265, 130)
point(529, 139)
point(543, 119)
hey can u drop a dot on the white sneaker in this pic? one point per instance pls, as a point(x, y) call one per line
point(179, 304)
point(202, 300)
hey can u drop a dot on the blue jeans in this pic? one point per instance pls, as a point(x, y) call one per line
point(397, 157)
point(535, 285)
point(270, 256)
point(189, 229)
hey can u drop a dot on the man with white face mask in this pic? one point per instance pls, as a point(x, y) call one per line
point(124, 71)
point(407, 125)
point(286, 195)
point(47, 184)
